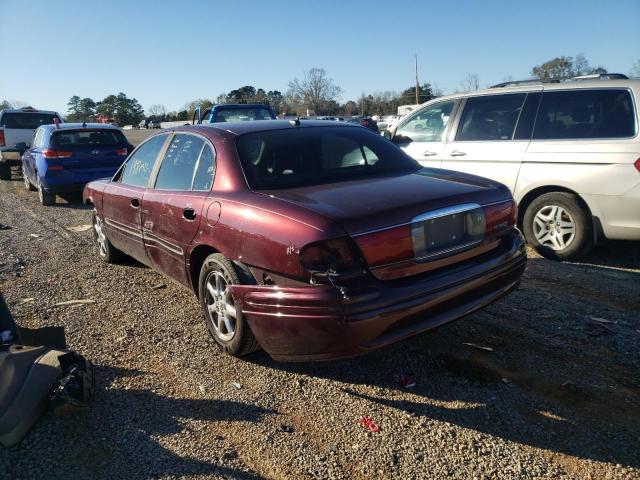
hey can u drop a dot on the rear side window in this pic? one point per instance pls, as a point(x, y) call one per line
point(89, 138)
point(205, 171)
point(179, 163)
point(27, 121)
point(580, 114)
point(491, 117)
point(138, 168)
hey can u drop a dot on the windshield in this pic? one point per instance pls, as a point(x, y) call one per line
point(310, 156)
point(87, 138)
point(27, 121)
point(243, 114)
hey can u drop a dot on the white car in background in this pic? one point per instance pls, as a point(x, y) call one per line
point(568, 150)
point(16, 132)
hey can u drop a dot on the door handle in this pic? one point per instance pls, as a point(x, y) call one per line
point(457, 153)
point(135, 202)
point(429, 153)
point(189, 214)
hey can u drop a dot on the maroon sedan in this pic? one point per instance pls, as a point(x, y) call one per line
point(308, 239)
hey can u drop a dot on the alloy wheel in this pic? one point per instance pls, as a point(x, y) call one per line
point(554, 227)
point(220, 306)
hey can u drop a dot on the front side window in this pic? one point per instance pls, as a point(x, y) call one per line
point(428, 125)
point(584, 114)
point(137, 170)
point(297, 157)
point(490, 117)
point(179, 163)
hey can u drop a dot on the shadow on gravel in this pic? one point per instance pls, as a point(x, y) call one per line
point(617, 254)
point(123, 432)
point(510, 393)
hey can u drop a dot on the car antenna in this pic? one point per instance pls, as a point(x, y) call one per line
point(296, 122)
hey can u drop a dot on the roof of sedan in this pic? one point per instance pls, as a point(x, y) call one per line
point(240, 128)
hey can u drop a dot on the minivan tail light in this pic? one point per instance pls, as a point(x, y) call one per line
point(49, 153)
point(637, 164)
point(1, 137)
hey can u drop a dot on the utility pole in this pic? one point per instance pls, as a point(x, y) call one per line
point(415, 55)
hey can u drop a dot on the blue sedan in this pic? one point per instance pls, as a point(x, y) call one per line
point(65, 157)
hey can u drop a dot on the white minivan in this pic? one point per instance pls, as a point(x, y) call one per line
point(569, 151)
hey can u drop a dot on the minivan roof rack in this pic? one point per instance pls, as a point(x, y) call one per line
point(536, 81)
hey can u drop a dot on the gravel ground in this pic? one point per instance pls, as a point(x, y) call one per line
point(557, 396)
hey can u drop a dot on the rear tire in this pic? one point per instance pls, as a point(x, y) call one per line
point(106, 251)
point(558, 226)
point(224, 320)
point(46, 198)
point(5, 171)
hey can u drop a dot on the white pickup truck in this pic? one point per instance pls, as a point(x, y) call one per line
point(16, 133)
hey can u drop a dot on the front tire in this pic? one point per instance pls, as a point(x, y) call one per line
point(224, 320)
point(558, 226)
point(106, 251)
point(46, 198)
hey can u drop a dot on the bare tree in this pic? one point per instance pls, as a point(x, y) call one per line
point(470, 82)
point(315, 90)
point(157, 110)
point(635, 69)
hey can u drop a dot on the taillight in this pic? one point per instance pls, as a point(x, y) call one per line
point(328, 256)
point(500, 216)
point(387, 246)
point(1, 138)
point(49, 153)
point(55, 167)
point(636, 164)
point(121, 151)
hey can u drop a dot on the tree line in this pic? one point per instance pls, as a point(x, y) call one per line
point(314, 93)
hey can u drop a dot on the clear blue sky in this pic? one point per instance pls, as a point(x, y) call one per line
point(170, 52)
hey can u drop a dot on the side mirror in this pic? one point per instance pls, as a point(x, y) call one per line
point(387, 134)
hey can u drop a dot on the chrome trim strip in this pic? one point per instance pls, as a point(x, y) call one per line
point(123, 228)
point(152, 238)
point(443, 212)
point(381, 229)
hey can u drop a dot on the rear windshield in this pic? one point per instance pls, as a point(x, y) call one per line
point(87, 137)
point(310, 156)
point(27, 121)
point(243, 114)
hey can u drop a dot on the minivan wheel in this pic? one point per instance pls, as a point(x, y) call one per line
point(224, 319)
point(106, 251)
point(46, 198)
point(558, 226)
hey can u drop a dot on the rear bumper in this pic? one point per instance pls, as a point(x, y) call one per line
point(71, 182)
point(619, 215)
point(317, 323)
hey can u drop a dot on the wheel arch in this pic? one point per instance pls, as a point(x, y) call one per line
point(200, 253)
point(534, 193)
